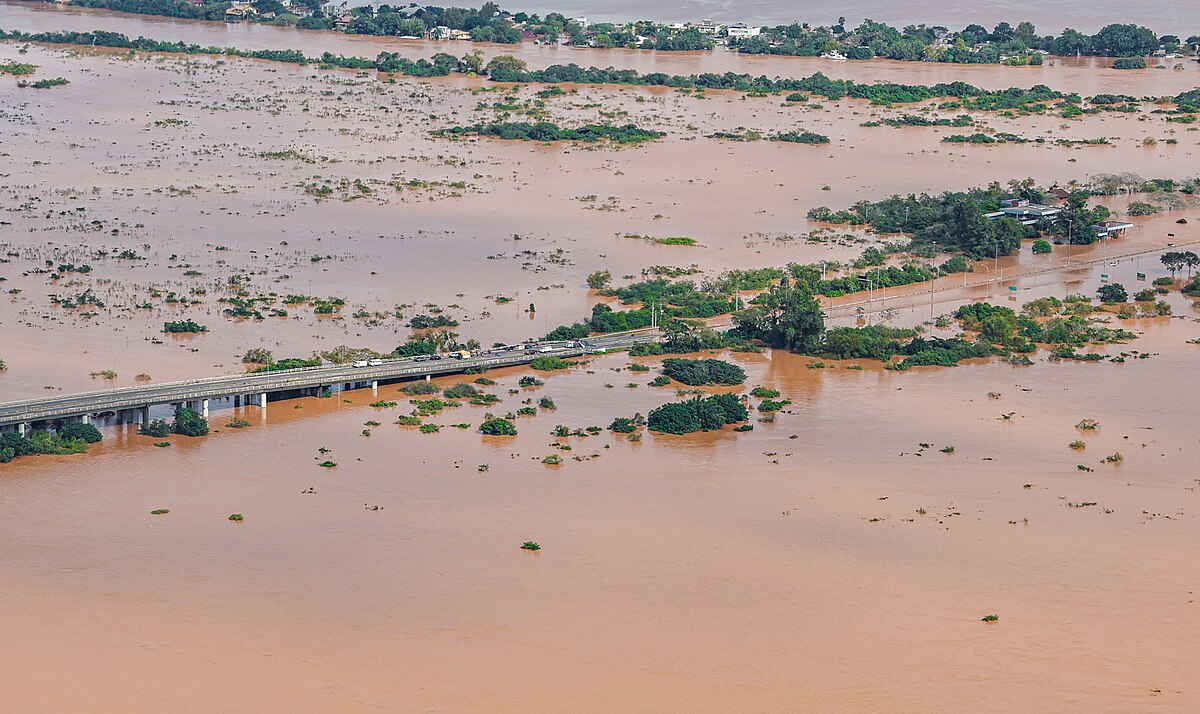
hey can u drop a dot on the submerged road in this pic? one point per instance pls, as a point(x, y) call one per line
point(257, 387)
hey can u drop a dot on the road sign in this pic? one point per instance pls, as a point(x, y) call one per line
point(1141, 276)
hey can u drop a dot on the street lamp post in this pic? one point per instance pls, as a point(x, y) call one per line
point(870, 295)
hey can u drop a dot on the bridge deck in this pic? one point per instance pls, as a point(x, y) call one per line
point(86, 403)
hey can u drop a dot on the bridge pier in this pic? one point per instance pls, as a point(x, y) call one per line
point(237, 401)
point(262, 400)
point(204, 408)
point(21, 428)
point(86, 419)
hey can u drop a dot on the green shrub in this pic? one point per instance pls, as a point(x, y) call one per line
point(498, 427)
point(645, 349)
point(764, 393)
point(78, 431)
point(189, 423)
point(158, 428)
point(623, 425)
point(548, 363)
point(697, 414)
point(462, 390)
point(183, 326)
point(420, 388)
point(698, 372)
point(768, 405)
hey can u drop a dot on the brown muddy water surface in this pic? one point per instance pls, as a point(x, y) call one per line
point(824, 561)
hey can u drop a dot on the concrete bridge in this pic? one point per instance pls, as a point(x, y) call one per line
point(132, 404)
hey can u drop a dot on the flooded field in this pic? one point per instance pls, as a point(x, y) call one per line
point(833, 559)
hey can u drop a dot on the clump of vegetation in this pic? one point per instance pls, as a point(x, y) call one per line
point(659, 381)
point(990, 618)
point(327, 464)
point(548, 132)
point(764, 393)
point(462, 390)
point(498, 427)
point(1078, 444)
point(768, 405)
point(189, 423)
point(1087, 425)
point(382, 404)
point(530, 545)
point(160, 512)
point(696, 373)
point(430, 428)
point(624, 425)
point(553, 460)
point(237, 517)
point(157, 428)
point(416, 389)
point(548, 363)
point(697, 414)
point(258, 355)
point(44, 83)
point(238, 423)
point(183, 327)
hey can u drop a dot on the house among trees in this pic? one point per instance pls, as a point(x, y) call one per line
point(240, 11)
point(1021, 210)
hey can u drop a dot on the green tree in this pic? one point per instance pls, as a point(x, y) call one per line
point(505, 66)
point(81, 432)
point(786, 316)
point(189, 423)
point(1112, 294)
point(599, 280)
point(498, 427)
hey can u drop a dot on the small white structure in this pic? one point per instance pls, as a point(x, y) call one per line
point(1110, 229)
point(740, 31)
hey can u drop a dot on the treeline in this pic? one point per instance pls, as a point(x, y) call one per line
point(974, 44)
point(165, 8)
point(546, 131)
point(505, 68)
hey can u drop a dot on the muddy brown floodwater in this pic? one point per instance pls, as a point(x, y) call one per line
point(833, 559)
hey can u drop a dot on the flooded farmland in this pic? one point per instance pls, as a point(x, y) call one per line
point(837, 557)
